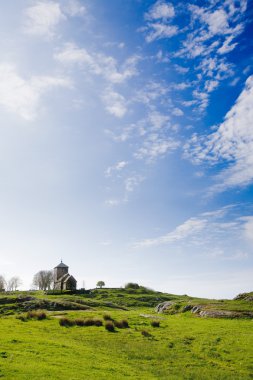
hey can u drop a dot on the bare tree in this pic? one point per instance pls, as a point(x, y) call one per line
point(43, 279)
point(2, 283)
point(13, 283)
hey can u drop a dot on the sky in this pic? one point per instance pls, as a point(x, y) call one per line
point(126, 143)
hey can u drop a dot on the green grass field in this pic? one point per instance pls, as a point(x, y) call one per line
point(185, 346)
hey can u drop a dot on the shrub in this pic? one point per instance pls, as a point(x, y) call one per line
point(109, 326)
point(132, 285)
point(66, 322)
point(121, 324)
point(97, 322)
point(155, 324)
point(107, 317)
point(88, 322)
point(40, 315)
point(80, 322)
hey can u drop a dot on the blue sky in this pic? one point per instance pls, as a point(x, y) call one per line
point(126, 142)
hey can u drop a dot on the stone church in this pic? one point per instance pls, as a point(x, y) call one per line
point(62, 279)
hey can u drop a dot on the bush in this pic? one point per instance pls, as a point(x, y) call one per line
point(40, 315)
point(121, 324)
point(66, 322)
point(155, 324)
point(88, 322)
point(109, 326)
point(107, 317)
point(97, 322)
point(132, 285)
point(80, 322)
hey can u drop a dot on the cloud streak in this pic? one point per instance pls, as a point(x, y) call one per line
point(231, 142)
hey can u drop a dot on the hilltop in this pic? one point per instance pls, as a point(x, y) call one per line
point(125, 299)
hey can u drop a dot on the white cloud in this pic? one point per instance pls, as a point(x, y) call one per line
point(115, 103)
point(98, 64)
point(160, 30)
point(42, 18)
point(155, 146)
point(151, 92)
point(22, 96)
point(71, 54)
point(158, 18)
point(232, 142)
point(112, 202)
point(118, 167)
point(202, 99)
point(180, 86)
point(160, 10)
point(129, 186)
point(209, 37)
point(181, 69)
point(227, 46)
point(217, 21)
point(132, 182)
point(157, 136)
point(248, 227)
point(74, 8)
point(210, 85)
point(190, 227)
point(177, 112)
point(214, 234)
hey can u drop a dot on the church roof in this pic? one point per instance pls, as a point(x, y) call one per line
point(61, 265)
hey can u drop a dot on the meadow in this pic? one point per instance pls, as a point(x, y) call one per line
point(179, 345)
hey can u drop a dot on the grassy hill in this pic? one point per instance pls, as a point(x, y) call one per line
point(69, 339)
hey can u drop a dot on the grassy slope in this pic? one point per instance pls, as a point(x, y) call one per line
point(183, 347)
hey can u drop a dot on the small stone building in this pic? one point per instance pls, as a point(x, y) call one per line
point(62, 279)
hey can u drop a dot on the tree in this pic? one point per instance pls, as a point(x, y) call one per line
point(100, 284)
point(2, 283)
point(13, 283)
point(132, 285)
point(43, 280)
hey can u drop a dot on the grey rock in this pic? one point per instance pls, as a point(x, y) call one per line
point(196, 309)
point(187, 308)
point(161, 307)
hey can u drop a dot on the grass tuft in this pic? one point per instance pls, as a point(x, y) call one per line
point(155, 323)
point(107, 317)
point(66, 322)
point(109, 326)
point(123, 324)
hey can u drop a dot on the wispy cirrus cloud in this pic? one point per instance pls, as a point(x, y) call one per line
point(214, 234)
point(130, 184)
point(98, 63)
point(22, 96)
point(190, 227)
point(231, 142)
point(207, 34)
point(118, 167)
